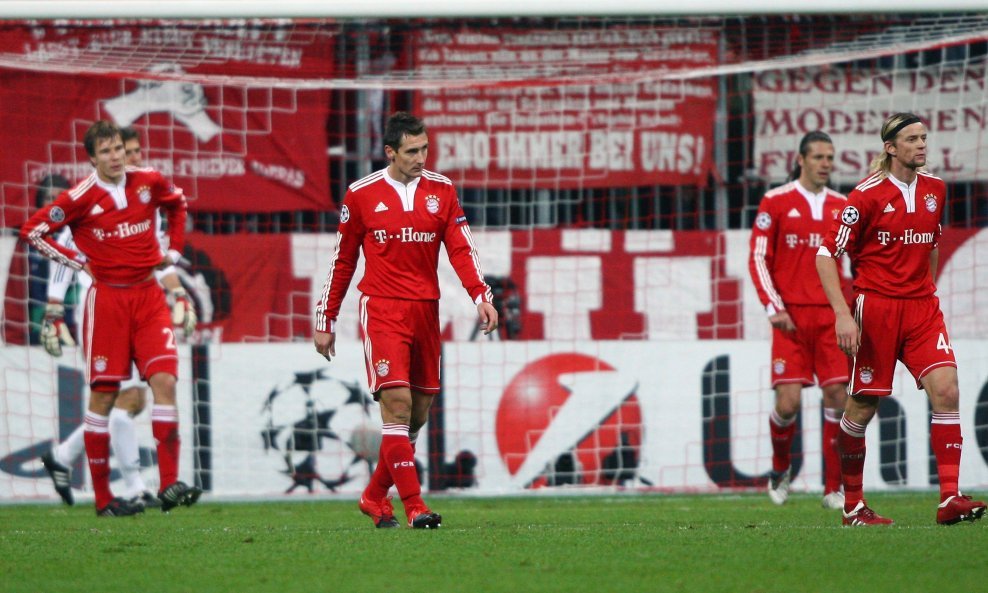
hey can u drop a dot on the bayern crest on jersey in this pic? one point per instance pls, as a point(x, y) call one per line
point(432, 204)
point(144, 194)
point(779, 366)
point(99, 363)
point(866, 375)
point(382, 368)
point(931, 202)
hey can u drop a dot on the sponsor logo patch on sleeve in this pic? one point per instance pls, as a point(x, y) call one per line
point(461, 219)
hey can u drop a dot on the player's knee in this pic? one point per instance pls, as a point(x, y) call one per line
point(396, 405)
point(102, 396)
point(787, 399)
point(163, 388)
point(132, 400)
point(947, 397)
point(834, 395)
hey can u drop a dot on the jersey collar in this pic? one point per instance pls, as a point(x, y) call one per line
point(405, 192)
point(117, 191)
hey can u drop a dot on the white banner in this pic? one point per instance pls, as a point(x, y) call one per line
point(520, 407)
point(851, 105)
point(677, 415)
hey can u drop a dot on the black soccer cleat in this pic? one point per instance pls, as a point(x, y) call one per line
point(426, 520)
point(178, 493)
point(61, 476)
point(120, 507)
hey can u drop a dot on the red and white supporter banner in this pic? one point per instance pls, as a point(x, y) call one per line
point(851, 104)
point(612, 128)
point(568, 285)
point(231, 148)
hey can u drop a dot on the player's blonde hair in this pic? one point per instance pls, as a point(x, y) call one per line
point(890, 130)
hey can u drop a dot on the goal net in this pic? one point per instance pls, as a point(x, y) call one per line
point(610, 167)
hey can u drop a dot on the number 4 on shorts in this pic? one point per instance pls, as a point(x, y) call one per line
point(942, 344)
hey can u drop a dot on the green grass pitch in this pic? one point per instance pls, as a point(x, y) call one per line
point(627, 544)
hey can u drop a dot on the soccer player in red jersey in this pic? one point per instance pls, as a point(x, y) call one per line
point(400, 216)
point(789, 228)
point(132, 398)
point(111, 214)
point(890, 228)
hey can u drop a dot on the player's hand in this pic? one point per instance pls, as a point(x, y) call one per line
point(488, 317)
point(54, 332)
point(183, 311)
point(848, 334)
point(325, 344)
point(782, 321)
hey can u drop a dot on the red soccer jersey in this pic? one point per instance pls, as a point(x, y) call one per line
point(400, 229)
point(889, 230)
point(788, 231)
point(114, 226)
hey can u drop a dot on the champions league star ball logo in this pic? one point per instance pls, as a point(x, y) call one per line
point(570, 419)
point(323, 428)
point(850, 215)
point(763, 221)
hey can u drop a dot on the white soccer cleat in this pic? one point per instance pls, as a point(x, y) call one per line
point(778, 486)
point(833, 500)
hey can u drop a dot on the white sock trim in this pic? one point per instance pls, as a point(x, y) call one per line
point(852, 428)
point(779, 420)
point(946, 418)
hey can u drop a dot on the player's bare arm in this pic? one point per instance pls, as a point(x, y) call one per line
point(848, 333)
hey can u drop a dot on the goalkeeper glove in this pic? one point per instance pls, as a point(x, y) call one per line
point(183, 311)
point(54, 332)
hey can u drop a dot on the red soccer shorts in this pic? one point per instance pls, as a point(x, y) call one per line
point(128, 324)
point(910, 330)
point(810, 350)
point(401, 343)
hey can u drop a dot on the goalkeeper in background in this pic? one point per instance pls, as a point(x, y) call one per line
point(112, 216)
point(133, 396)
point(400, 216)
point(890, 229)
point(791, 223)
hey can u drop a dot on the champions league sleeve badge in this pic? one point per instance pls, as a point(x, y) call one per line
point(850, 215)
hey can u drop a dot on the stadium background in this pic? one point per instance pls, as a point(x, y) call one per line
point(610, 167)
